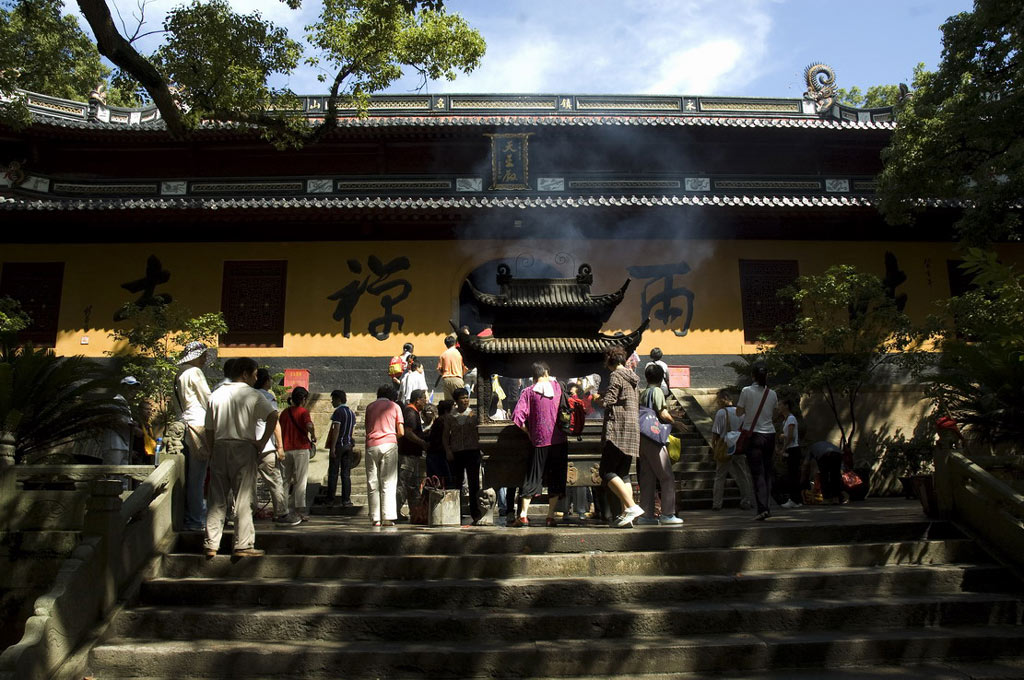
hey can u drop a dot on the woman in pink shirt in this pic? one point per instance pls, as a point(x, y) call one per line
point(384, 425)
point(536, 414)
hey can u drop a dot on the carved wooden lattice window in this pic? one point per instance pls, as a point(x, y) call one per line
point(763, 309)
point(253, 303)
point(960, 282)
point(37, 286)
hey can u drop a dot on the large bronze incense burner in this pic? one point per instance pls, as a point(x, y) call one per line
point(557, 321)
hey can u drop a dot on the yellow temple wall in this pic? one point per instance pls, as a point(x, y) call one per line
point(94, 273)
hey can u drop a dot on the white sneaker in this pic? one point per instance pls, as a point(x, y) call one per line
point(789, 505)
point(671, 520)
point(629, 515)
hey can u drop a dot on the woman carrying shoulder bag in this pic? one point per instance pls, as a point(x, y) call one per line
point(299, 437)
point(656, 466)
point(726, 421)
point(756, 405)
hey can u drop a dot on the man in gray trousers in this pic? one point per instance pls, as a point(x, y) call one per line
point(231, 421)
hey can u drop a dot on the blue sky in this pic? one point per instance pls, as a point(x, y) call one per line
point(755, 48)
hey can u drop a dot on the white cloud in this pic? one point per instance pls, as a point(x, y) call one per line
point(609, 46)
point(697, 70)
point(573, 46)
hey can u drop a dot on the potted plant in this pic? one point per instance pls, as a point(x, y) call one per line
point(912, 461)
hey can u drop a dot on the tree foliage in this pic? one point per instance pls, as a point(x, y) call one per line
point(979, 379)
point(846, 330)
point(12, 320)
point(958, 136)
point(44, 52)
point(152, 340)
point(877, 96)
point(216, 64)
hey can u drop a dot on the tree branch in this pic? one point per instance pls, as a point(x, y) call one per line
point(831, 401)
point(331, 117)
point(114, 47)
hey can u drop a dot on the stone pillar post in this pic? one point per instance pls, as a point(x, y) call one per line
point(177, 489)
point(943, 475)
point(8, 481)
point(484, 393)
point(103, 519)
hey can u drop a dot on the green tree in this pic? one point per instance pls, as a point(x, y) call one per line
point(958, 136)
point(43, 51)
point(876, 96)
point(12, 320)
point(152, 340)
point(847, 330)
point(215, 64)
point(979, 377)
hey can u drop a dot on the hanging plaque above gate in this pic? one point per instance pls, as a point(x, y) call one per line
point(510, 161)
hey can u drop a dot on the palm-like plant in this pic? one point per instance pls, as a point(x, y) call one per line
point(982, 386)
point(46, 400)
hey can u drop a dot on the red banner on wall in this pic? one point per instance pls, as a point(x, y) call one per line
point(298, 377)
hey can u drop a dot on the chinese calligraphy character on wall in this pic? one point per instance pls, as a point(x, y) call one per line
point(659, 302)
point(155, 275)
point(379, 283)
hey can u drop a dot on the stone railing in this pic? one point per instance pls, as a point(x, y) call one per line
point(988, 506)
point(119, 537)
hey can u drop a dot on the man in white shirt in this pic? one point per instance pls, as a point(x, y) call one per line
point(412, 380)
point(191, 397)
point(231, 422)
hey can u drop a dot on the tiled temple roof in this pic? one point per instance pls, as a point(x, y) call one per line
point(499, 110)
point(558, 345)
point(548, 294)
point(427, 121)
point(438, 203)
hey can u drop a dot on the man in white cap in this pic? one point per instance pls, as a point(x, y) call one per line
point(118, 444)
point(192, 398)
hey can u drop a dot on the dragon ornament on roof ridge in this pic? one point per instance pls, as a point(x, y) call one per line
point(821, 86)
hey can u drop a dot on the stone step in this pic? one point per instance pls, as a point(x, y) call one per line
point(232, 622)
point(891, 581)
point(315, 540)
point(460, 566)
point(531, 658)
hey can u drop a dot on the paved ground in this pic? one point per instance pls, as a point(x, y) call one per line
point(871, 511)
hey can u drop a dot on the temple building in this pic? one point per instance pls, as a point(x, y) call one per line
point(331, 256)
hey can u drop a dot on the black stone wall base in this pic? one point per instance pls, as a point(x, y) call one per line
point(366, 374)
point(352, 374)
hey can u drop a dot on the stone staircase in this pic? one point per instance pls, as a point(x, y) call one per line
point(770, 600)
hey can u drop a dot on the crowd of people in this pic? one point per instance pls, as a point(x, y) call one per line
point(409, 439)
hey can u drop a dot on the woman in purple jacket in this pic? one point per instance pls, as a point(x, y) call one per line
point(536, 414)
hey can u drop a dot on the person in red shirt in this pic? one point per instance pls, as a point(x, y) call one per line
point(385, 424)
point(299, 438)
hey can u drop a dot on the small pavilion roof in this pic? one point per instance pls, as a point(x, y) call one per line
point(548, 294)
point(550, 346)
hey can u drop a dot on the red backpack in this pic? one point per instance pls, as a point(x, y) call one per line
point(578, 411)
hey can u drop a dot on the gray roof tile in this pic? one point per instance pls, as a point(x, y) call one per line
point(432, 203)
